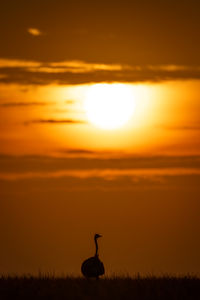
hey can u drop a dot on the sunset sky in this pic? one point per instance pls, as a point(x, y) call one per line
point(100, 132)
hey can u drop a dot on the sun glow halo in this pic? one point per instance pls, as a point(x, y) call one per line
point(109, 106)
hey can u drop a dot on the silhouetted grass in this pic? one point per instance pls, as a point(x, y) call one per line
point(69, 288)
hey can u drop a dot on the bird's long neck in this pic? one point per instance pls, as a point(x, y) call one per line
point(96, 244)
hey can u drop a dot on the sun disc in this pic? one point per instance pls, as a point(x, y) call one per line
point(109, 106)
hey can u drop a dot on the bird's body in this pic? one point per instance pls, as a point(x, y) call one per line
point(93, 267)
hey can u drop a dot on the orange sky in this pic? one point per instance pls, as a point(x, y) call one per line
point(61, 177)
point(166, 120)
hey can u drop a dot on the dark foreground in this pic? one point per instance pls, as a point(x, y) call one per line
point(109, 288)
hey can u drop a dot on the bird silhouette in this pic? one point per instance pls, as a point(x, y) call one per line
point(93, 267)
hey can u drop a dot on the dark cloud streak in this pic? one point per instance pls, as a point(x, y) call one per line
point(17, 104)
point(55, 121)
point(183, 127)
point(188, 182)
point(101, 161)
point(135, 74)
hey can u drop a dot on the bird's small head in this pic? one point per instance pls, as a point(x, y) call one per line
point(96, 236)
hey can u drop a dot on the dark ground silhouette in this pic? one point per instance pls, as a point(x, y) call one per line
point(164, 288)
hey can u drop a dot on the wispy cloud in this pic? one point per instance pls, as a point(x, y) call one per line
point(171, 68)
point(77, 72)
point(15, 63)
point(34, 31)
point(92, 173)
point(107, 174)
point(84, 67)
point(70, 66)
point(104, 173)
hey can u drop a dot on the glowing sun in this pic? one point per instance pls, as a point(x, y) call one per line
point(109, 106)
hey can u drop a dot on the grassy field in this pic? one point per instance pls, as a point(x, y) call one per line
point(169, 288)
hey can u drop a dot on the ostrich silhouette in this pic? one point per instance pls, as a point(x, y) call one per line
point(93, 267)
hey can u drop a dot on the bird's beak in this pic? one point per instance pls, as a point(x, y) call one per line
point(100, 235)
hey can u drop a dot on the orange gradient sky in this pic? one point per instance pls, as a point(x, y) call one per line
point(165, 119)
point(100, 132)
